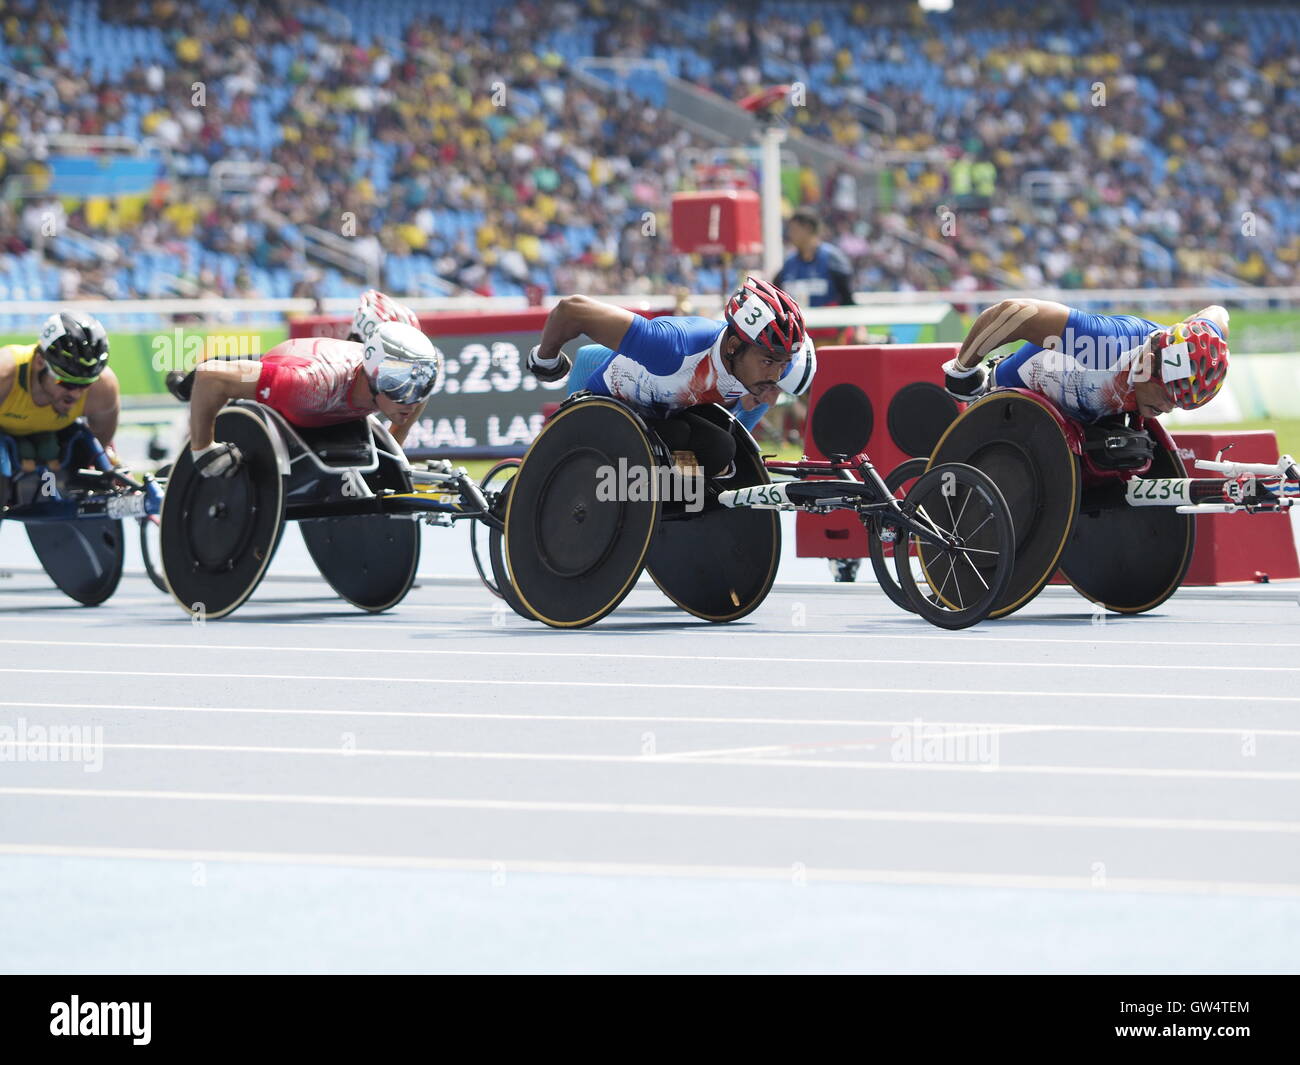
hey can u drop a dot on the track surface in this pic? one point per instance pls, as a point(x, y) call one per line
point(447, 787)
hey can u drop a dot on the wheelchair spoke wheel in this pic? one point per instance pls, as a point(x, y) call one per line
point(150, 543)
point(151, 551)
point(960, 579)
point(493, 486)
point(899, 480)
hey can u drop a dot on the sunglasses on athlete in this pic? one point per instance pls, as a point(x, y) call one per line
point(71, 386)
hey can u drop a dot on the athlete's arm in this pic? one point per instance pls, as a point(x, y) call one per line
point(8, 372)
point(1213, 313)
point(1011, 321)
point(574, 316)
point(215, 383)
point(103, 407)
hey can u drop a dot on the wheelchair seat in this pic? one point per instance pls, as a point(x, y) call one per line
point(343, 444)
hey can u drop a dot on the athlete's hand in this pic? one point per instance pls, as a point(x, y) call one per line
point(217, 460)
point(961, 383)
point(555, 372)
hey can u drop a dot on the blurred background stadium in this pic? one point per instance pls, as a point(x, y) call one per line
point(277, 158)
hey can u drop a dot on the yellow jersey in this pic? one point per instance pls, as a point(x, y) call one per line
point(19, 414)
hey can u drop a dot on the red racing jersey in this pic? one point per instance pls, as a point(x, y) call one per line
point(309, 380)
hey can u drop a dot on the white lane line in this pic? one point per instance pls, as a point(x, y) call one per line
point(951, 732)
point(688, 630)
point(323, 600)
point(684, 759)
point(484, 715)
point(209, 648)
point(781, 873)
point(752, 813)
point(803, 690)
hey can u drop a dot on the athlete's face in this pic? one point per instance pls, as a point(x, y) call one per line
point(396, 412)
point(758, 370)
point(1152, 398)
point(1149, 392)
point(63, 397)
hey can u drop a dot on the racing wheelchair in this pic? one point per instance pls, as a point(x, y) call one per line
point(349, 486)
point(1109, 504)
point(599, 497)
point(75, 515)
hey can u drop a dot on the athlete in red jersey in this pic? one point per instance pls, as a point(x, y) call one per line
point(316, 381)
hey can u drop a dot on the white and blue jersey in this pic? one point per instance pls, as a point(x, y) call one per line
point(825, 280)
point(1088, 375)
point(662, 366)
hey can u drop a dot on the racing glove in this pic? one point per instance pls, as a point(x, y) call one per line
point(961, 383)
point(217, 460)
point(549, 370)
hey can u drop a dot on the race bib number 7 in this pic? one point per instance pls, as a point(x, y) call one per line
point(1174, 363)
point(753, 315)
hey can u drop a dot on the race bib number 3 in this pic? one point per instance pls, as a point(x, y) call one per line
point(753, 316)
point(1174, 363)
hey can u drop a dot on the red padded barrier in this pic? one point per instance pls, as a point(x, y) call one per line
point(1238, 547)
point(886, 399)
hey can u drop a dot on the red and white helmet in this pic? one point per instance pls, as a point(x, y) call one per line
point(798, 376)
point(762, 314)
point(1192, 360)
point(374, 309)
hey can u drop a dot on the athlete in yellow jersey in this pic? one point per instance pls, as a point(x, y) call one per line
point(45, 387)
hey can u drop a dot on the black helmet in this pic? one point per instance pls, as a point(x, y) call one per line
point(75, 347)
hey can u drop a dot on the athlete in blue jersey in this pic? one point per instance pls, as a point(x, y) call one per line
point(661, 367)
point(1095, 365)
point(817, 274)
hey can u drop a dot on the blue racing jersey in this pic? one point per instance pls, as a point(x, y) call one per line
point(1088, 375)
point(664, 365)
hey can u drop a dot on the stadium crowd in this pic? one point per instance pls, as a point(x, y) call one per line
point(1176, 138)
point(465, 155)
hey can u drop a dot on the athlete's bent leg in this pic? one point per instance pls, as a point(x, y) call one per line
point(714, 447)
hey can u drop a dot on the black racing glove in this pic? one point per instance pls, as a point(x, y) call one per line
point(557, 372)
point(217, 460)
point(964, 385)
